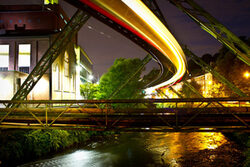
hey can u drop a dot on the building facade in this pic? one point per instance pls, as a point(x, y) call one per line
point(205, 81)
point(26, 32)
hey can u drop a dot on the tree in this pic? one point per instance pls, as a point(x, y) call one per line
point(89, 90)
point(228, 65)
point(150, 77)
point(187, 92)
point(218, 89)
point(117, 74)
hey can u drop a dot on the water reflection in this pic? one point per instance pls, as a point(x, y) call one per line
point(138, 149)
point(168, 147)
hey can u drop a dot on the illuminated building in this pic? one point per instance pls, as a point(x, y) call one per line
point(26, 32)
point(205, 81)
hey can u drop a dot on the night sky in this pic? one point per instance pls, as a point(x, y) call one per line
point(104, 45)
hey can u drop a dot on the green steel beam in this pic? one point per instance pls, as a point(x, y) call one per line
point(176, 92)
point(193, 89)
point(153, 6)
point(160, 92)
point(216, 74)
point(144, 62)
point(215, 28)
point(59, 44)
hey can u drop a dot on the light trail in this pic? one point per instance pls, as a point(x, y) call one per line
point(136, 17)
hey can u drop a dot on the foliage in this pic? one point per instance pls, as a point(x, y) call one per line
point(29, 144)
point(119, 73)
point(151, 76)
point(244, 139)
point(247, 153)
point(187, 92)
point(218, 89)
point(195, 70)
point(89, 90)
point(233, 69)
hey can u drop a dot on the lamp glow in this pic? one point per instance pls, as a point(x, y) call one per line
point(90, 77)
point(247, 75)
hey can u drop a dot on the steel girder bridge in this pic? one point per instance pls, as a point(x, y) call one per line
point(143, 115)
point(170, 63)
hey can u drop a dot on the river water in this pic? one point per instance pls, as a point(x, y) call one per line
point(152, 150)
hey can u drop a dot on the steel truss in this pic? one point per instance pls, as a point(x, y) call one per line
point(215, 28)
point(199, 114)
point(216, 74)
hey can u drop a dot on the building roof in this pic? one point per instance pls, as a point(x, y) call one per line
point(31, 19)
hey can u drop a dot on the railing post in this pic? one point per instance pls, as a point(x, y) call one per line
point(106, 115)
point(46, 115)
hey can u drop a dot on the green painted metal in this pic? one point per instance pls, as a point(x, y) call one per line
point(159, 91)
point(59, 44)
point(153, 6)
point(181, 117)
point(193, 89)
point(215, 28)
point(144, 62)
point(216, 74)
point(176, 92)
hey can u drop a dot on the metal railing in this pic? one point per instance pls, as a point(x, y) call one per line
point(199, 114)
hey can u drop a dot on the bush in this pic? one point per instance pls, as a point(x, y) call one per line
point(17, 146)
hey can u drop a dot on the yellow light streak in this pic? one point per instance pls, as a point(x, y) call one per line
point(140, 9)
point(136, 14)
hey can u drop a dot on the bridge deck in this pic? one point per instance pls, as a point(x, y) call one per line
point(117, 115)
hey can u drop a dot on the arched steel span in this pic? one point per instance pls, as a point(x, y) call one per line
point(134, 20)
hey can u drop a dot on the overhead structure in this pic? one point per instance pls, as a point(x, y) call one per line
point(133, 19)
point(136, 19)
point(153, 6)
point(215, 28)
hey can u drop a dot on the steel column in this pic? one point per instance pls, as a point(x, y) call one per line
point(215, 28)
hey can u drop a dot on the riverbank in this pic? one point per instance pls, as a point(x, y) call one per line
point(152, 150)
point(20, 146)
point(143, 149)
point(242, 139)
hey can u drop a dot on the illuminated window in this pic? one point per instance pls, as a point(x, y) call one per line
point(46, 2)
point(24, 52)
point(66, 64)
point(72, 85)
point(57, 78)
point(4, 57)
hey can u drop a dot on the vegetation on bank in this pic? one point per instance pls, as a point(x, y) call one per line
point(18, 146)
point(244, 140)
point(229, 66)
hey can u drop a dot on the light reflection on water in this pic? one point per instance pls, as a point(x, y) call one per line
point(79, 158)
point(168, 147)
point(138, 149)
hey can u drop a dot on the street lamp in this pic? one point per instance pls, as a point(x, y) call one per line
point(90, 77)
point(246, 74)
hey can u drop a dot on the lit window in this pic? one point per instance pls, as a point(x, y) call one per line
point(46, 2)
point(4, 57)
point(57, 78)
point(24, 52)
point(72, 83)
point(66, 64)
